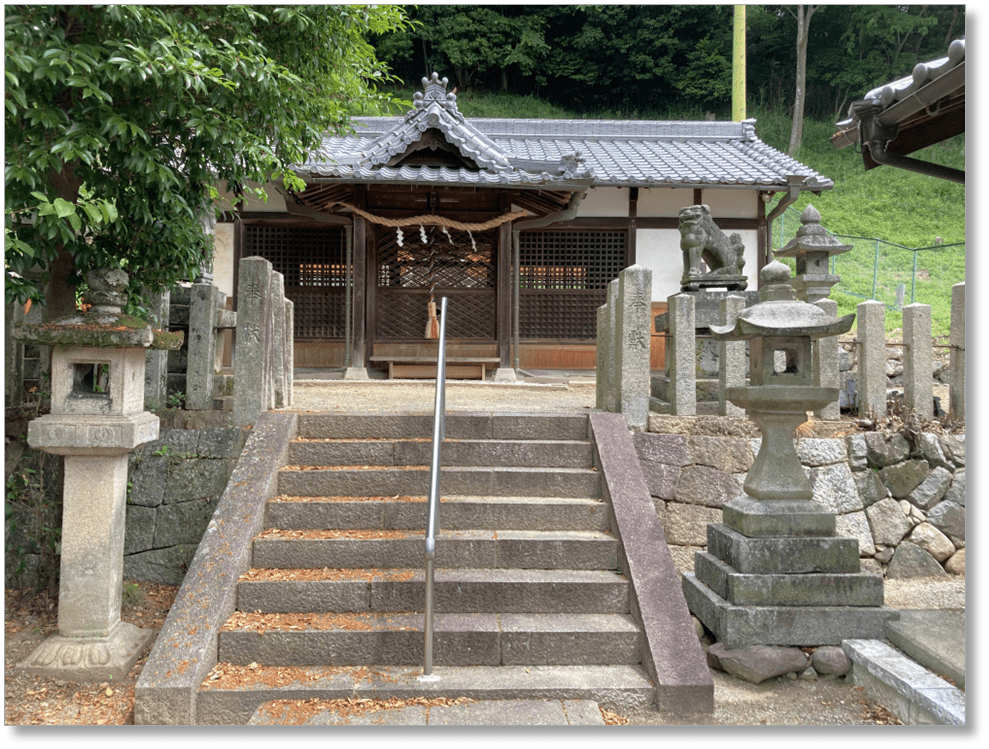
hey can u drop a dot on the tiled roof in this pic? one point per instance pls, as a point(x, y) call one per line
point(945, 75)
point(558, 153)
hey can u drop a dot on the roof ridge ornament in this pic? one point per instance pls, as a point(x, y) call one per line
point(434, 90)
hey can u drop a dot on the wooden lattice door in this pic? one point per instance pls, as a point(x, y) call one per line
point(456, 264)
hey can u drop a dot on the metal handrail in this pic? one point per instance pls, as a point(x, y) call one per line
point(439, 434)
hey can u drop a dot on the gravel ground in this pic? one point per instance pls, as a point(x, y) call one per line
point(382, 396)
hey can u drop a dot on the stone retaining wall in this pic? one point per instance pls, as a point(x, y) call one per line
point(175, 484)
point(903, 501)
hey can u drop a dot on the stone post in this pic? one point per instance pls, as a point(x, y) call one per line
point(250, 355)
point(602, 357)
point(204, 301)
point(96, 418)
point(633, 340)
point(956, 397)
point(613, 395)
point(13, 373)
point(278, 339)
point(871, 316)
point(290, 351)
point(918, 387)
point(826, 373)
point(732, 358)
point(156, 360)
point(680, 355)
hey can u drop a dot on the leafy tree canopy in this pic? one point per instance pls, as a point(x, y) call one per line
point(122, 120)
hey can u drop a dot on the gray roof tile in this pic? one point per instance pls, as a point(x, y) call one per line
point(527, 152)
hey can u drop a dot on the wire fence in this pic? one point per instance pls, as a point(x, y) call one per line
point(888, 272)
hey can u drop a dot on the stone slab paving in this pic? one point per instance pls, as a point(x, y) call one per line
point(485, 713)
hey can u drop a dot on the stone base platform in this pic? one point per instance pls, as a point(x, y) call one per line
point(89, 658)
point(799, 626)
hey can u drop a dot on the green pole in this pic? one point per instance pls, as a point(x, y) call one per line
point(738, 67)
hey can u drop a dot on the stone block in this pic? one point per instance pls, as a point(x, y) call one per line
point(835, 488)
point(183, 522)
point(782, 555)
point(933, 541)
point(956, 491)
point(856, 525)
point(882, 452)
point(903, 478)
point(195, 479)
point(949, 518)
point(909, 560)
point(929, 448)
point(857, 452)
point(670, 449)
point(778, 518)
point(702, 485)
point(953, 446)
point(140, 533)
point(756, 663)
point(801, 626)
point(165, 566)
point(724, 453)
point(148, 476)
point(932, 489)
point(686, 525)
point(850, 589)
point(831, 660)
point(889, 524)
point(870, 487)
point(819, 452)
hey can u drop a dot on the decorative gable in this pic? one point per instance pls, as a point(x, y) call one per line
point(435, 123)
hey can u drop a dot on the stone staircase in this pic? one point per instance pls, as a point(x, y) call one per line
point(530, 602)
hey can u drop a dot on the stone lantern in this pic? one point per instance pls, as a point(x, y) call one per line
point(775, 573)
point(812, 248)
point(97, 417)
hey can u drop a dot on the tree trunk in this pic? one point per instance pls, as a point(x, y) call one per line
point(60, 296)
point(804, 14)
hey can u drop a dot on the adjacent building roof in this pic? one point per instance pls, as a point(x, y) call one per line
point(553, 154)
point(911, 113)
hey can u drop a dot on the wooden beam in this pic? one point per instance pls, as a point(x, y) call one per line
point(358, 353)
point(503, 299)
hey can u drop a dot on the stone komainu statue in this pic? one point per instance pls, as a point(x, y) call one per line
point(701, 239)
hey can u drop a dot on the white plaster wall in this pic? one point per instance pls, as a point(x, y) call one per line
point(223, 258)
point(732, 203)
point(663, 202)
point(604, 201)
point(275, 204)
point(659, 250)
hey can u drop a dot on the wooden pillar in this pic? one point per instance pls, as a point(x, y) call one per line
point(358, 352)
point(504, 296)
point(633, 211)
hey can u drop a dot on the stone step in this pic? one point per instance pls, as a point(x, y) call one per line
point(455, 513)
point(809, 589)
point(374, 481)
point(459, 426)
point(458, 549)
point(436, 712)
point(455, 590)
point(461, 639)
point(785, 556)
point(237, 691)
point(491, 453)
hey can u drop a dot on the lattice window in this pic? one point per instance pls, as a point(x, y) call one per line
point(570, 259)
point(564, 278)
point(313, 262)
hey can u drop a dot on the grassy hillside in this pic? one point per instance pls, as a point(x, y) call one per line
point(903, 210)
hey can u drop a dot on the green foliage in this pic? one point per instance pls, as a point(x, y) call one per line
point(122, 120)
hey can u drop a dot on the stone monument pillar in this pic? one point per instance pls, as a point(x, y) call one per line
point(97, 417)
point(775, 573)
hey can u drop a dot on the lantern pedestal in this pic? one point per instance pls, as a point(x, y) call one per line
point(775, 572)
